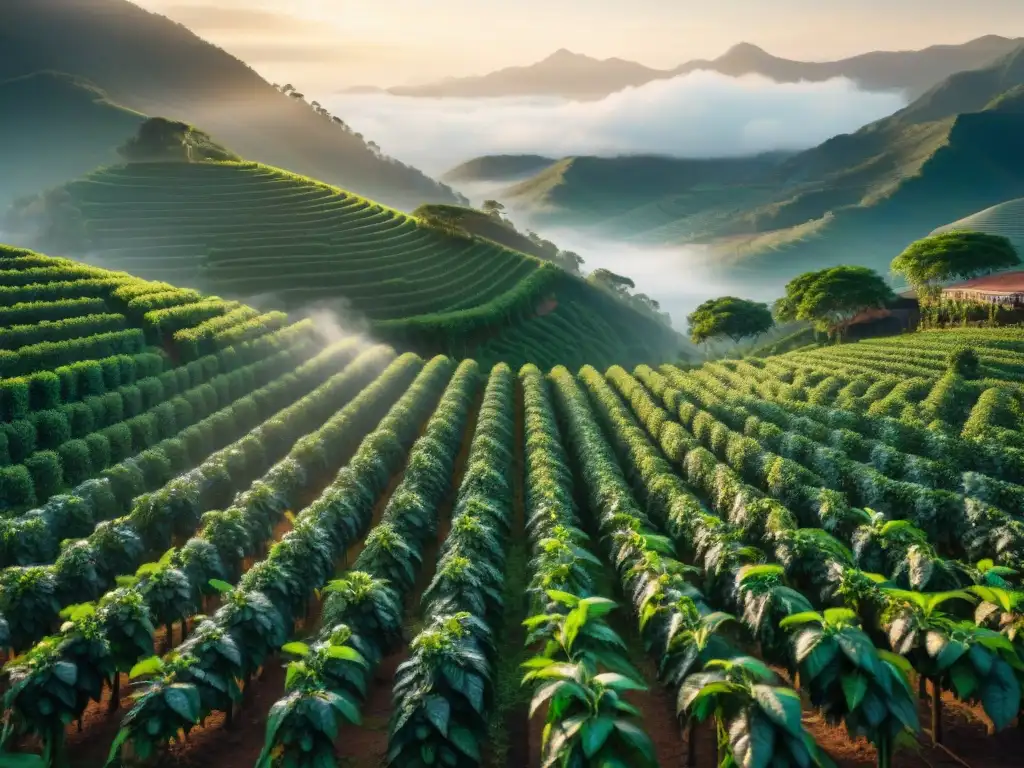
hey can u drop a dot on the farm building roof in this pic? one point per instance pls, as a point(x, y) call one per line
point(1004, 282)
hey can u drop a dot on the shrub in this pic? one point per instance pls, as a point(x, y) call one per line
point(126, 482)
point(13, 399)
point(246, 413)
point(131, 396)
point(155, 468)
point(68, 383)
point(113, 408)
point(52, 429)
point(44, 391)
point(169, 381)
point(152, 392)
point(210, 398)
point(175, 451)
point(76, 461)
point(44, 466)
point(965, 362)
point(223, 389)
point(196, 443)
point(5, 456)
point(80, 419)
point(111, 368)
point(90, 379)
point(163, 416)
point(16, 488)
point(99, 451)
point(197, 403)
point(183, 415)
point(181, 377)
point(195, 373)
point(128, 368)
point(143, 431)
point(119, 437)
point(148, 364)
point(21, 439)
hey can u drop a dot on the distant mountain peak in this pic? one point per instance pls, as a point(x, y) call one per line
point(746, 51)
point(564, 55)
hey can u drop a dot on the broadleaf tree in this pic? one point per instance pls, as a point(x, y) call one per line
point(959, 255)
point(729, 316)
point(830, 298)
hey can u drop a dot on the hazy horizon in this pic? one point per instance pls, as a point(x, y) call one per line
point(332, 44)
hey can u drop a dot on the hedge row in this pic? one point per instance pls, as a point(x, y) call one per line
point(17, 336)
point(39, 311)
point(49, 354)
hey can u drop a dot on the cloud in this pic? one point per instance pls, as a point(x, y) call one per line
point(701, 114)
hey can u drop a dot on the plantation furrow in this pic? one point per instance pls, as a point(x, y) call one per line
point(364, 606)
point(443, 692)
point(259, 614)
point(671, 613)
point(31, 597)
point(566, 627)
point(152, 444)
point(815, 561)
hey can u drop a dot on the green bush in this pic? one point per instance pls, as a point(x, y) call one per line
point(163, 416)
point(184, 381)
point(197, 403)
point(80, 418)
point(245, 412)
point(68, 383)
point(16, 488)
point(169, 382)
point(111, 368)
point(90, 378)
point(76, 461)
point(155, 467)
point(21, 439)
point(13, 399)
point(224, 428)
point(113, 408)
point(152, 392)
point(44, 466)
point(119, 437)
point(223, 389)
point(128, 368)
point(99, 451)
point(131, 396)
point(44, 391)
point(126, 482)
point(210, 398)
point(195, 373)
point(52, 429)
point(5, 455)
point(196, 443)
point(175, 451)
point(143, 431)
point(98, 408)
point(183, 415)
point(964, 361)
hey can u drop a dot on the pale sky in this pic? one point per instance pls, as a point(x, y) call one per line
point(329, 44)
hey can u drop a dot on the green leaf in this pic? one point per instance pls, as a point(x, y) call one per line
point(598, 606)
point(799, 619)
point(221, 586)
point(146, 667)
point(781, 706)
point(178, 700)
point(618, 682)
point(297, 649)
point(465, 741)
point(965, 681)
point(1000, 695)
point(438, 712)
point(66, 672)
point(595, 733)
point(347, 653)
point(855, 685)
point(636, 738)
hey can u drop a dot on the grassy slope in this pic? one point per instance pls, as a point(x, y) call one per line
point(1005, 219)
point(481, 225)
point(64, 127)
point(151, 64)
point(244, 230)
point(497, 168)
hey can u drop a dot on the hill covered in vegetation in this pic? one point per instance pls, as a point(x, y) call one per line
point(197, 495)
point(1006, 219)
point(57, 127)
point(153, 65)
point(856, 198)
point(245, 230)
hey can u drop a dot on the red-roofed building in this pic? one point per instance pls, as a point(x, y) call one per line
point(1004, 288)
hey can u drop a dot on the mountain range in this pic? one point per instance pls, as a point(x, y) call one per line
point(576, 76)
point(856, 198)
point(149, 64)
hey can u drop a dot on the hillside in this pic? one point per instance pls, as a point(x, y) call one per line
point(497, 168)
point(250, 231)
point(155, 66)
point(1006, 219)
point(199, 501)
point(575, 76)
point(856, 198)
point(58, 127)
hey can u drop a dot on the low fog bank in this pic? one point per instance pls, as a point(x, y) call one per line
point(701, 114)
point(680, 278)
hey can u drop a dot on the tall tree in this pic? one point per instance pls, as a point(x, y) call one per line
point(493, 208)
point(729, 316)
point(938, 259)
point(611, 281)
point(830, 298)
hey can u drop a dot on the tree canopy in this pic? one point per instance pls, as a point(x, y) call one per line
point(611, 281)
point(162, 140)
point(730, 317)
point(941, 258)
point(830, 298)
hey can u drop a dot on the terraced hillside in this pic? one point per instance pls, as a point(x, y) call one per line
point(245, 230)
point(322, 554)
point(1006, 219)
